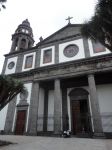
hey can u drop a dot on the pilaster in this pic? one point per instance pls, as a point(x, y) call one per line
point(10, 116)
point(19, 63)
point(56, 53)
point(18, 44)
point(13, 47)
point(33, 112)
point(98, 130)
point(26, 46)
point(86, 48)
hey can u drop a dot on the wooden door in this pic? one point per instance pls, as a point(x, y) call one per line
point(20, 122)
point(76, 116)
point(80, 117)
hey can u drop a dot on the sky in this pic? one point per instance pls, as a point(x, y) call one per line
point(45, 17)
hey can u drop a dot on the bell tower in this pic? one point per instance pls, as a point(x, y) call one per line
point(23, 37)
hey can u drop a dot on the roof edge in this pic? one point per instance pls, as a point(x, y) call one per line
point(68, 25)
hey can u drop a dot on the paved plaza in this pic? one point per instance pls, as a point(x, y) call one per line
point(53, 143)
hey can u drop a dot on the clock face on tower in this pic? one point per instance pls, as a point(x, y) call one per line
point(71, 50)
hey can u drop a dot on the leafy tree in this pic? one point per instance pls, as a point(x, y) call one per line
point(2, 4)
point(99, 27)
point(9, 88)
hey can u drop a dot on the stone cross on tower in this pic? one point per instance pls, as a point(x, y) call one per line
point(69, 18)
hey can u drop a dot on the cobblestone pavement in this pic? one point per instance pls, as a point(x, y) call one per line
point(53, 143)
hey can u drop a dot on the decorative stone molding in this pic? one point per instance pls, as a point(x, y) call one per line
point(69, 69)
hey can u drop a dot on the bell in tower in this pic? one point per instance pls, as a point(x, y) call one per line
point(23, 37)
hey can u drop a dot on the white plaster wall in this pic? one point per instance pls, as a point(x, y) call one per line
point(42, 54)
point(81, 54)
point(40, 110)
point(50, 125)
point(96, 54)
point(105, 97)
point(3, 114)
point(28, 87)
point(10, 71)
point(33, 63)
point(105, 104)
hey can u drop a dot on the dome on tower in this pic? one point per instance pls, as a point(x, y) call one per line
point(25, 28)
point(26, 23)
point(23, 37)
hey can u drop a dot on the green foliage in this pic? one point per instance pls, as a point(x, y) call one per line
point(99, 27)
point(2, 4)
point(9, 88)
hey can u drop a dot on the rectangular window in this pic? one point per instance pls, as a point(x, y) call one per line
point(28, 61)
point(47, 57)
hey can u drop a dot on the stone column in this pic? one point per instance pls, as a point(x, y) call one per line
point(57, 107)
point(98, 131)
point(33, 112)
point(10, 116)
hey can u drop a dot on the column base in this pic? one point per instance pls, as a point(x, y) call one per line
point(32, 134)
point(6, 133)
point(100, 135)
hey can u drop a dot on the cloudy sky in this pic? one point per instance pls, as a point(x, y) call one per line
point(45, 16)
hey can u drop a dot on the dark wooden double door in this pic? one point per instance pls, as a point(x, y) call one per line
point(80, 117)
point(20, 122)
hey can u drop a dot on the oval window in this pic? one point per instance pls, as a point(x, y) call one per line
point(71, 50)
point(11, 65)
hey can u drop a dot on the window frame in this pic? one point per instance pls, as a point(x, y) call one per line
point(52, 55)
point(24, 60)
point(26, 66)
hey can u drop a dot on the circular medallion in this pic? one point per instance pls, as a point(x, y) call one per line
point(71, 50)
point(11, 65)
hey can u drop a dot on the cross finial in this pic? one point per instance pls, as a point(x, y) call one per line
point(69, 18)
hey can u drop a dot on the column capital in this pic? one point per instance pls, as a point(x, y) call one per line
point(57, 79)
point(90, 75)
point(36, 81)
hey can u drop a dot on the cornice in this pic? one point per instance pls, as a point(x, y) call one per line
point(20, 52)
point(57, 40)
point(67, 26)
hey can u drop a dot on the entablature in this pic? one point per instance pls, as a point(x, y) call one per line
point(81, 67)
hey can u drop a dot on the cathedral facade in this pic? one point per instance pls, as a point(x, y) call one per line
point(68, 82)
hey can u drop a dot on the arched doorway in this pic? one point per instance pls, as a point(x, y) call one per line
point(80, 113)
